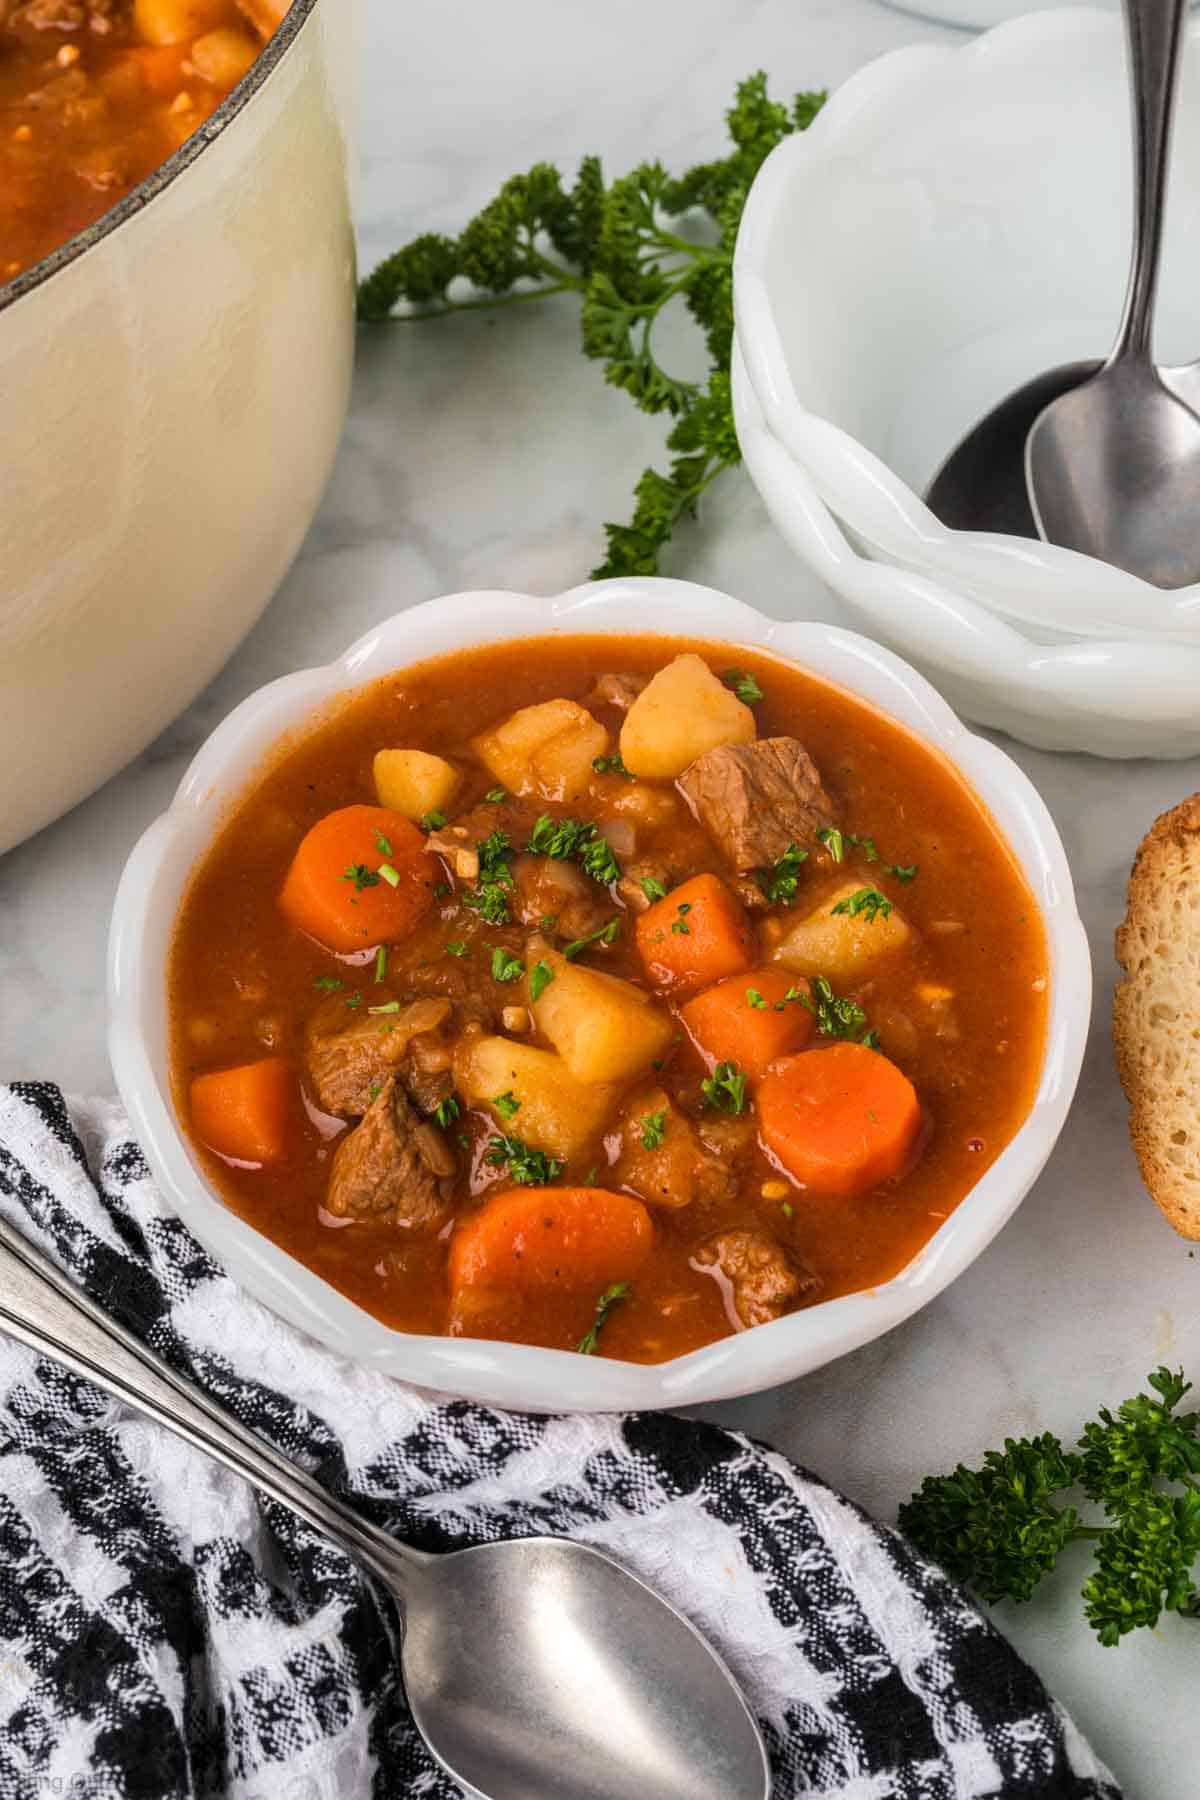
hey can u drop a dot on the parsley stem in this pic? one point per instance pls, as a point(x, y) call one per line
point(488, 304)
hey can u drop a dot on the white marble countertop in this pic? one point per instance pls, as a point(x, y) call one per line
point(485, 453)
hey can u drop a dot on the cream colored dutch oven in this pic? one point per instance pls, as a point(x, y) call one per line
point(173, 384)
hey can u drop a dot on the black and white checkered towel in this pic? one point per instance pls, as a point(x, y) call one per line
point(164, 1631)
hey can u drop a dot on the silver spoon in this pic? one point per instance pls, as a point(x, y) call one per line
point(535, 1669)
point(1117, 445)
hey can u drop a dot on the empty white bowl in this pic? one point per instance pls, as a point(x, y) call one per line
point(957, 219)
point(516, 1375)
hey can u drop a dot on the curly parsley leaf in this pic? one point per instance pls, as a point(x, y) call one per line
point(489, 897)
point(627, 249)
point(743, 685)
point(1002, 1526)
point(780, 881)
point(836, 1016)
point(867, 903)
point(654, 1129)
point(725, 1089)
point(576, 840)
point(528, 1168)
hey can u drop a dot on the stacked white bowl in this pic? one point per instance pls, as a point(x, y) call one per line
point(957, 220)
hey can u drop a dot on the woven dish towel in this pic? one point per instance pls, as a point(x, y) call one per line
point(165, 1632)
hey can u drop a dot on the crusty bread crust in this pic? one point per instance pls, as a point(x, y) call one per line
point(1156, 1013)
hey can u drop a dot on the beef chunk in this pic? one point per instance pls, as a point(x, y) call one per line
point(754, 800)
point(677, 1170)
point(763, 1279)
point(347, 1062)
point(70, 15)
point(616, 690)
point(546, 889)
point(392, 1166)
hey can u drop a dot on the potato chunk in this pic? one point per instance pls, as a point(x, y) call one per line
point(177, 21)
point(684, 711)
point(841, 944)
point(546, 749)
point(605, 1029)
point(415, 783)
point(555, 1112)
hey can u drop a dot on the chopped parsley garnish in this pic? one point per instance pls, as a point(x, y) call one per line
point(787, 1209)
point(433, 821)
point(725, 1089)
point(388, 874)
point(458, 948)
point(495, 795)
point(328, 984)
point(381, 963)
point(354, 1001)
point(680, 926)
point(755, 999)
point(490, 898)
point(793, 993)
point(654, 1129)
point(528, 1168)
point(373, 1092)
point(612, 1296)
point(743, 685)
point(507, 1105)
point(382, 845)
point(612, 765)
point(603, 934)
point(902, 871)
point(867, 903)
point(389, 1006)
point(361, 876)
point(780, 881)
point(834, 842)
point(653, 888)
point(506, 966)
point(540, 977)
point(575, 840)
point(836, 1016)
point(447, 1110)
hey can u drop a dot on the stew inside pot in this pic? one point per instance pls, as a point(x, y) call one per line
point(95, 94)
point(603, 994)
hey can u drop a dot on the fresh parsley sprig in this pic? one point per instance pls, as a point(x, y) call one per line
point(1002, 1527)
point(627, 249)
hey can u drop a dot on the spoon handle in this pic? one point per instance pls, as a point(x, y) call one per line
point(42, 1308)
point(1154, 32)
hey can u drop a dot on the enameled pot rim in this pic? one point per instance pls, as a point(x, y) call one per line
point(138, 198)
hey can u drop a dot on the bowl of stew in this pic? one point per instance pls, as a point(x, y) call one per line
point(571, 1015)
point(175, 241)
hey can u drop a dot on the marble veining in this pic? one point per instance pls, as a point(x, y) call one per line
point(485, 453)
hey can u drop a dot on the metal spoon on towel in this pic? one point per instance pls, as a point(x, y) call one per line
point(536, 1669)
point(1102, 457)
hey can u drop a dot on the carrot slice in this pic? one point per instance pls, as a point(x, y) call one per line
point(245, 1112)
point(558, 1239)
point(699, 933)
point(360, 877)
point(841, 1120)
point(751, 1020)
point(161, 67)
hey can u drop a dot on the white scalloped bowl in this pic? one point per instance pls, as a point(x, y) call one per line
point(516, 1375)
point(955, 220)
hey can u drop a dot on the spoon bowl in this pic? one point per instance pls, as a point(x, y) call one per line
point(1113, 469)
point(537, 1669)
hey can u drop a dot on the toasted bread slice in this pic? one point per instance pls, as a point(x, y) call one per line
point(1156, 1013)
